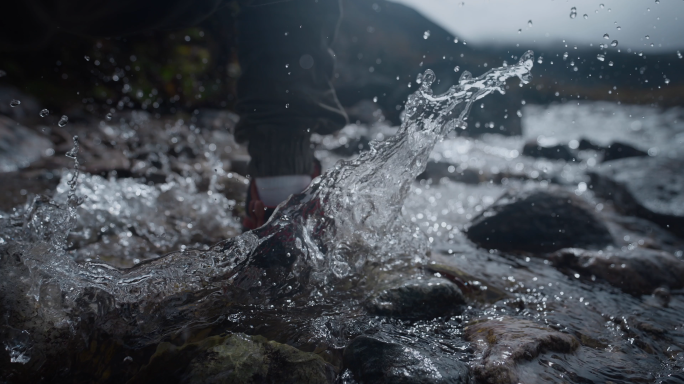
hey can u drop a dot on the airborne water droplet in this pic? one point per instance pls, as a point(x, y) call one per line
point(614, 43)
point(455, 39)
point(457, 68)
point(648, 37)
point(426, 34)
point(679, 54)
point(63, 121)
point(108, 117)
point(565, 56)
point(610, 63)
point(44, 113)
point(540, 60)
point(601, 5)
point(667, 81)
point(573, 12)
point(585, 16)
point(87, 58)
point(619, 28)
point(606, 36)
point(529, 23)
point(519, 30)
point(600, 57)
point(14, 103)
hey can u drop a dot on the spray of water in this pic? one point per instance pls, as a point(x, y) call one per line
point(348, 217)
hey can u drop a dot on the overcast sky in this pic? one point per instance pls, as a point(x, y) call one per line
point(498, 22)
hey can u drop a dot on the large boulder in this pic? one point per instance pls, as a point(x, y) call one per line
point(538, 221)
point(372, 360)
point(649, 187)
point(237, 359)
point(418, 299)
point(504, 343)
point(638, 271)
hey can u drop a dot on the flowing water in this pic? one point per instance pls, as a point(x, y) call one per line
point(304, 277)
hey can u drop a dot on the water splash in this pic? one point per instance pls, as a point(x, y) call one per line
point(348, 217)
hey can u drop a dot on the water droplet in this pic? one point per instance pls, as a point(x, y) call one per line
point(640, 53)
point(601, 5)
point(573, 12)
point(428, 78)
point(287, 105)
point(457, 68)
point(657, 1)
point(540, 60)
point(375, 99)
point(87, 58)
point(465, 76)
point(44, 112)
point(529, 23)
point(614, 43)
point(15, 103)
point(610, 63)
point(565, 56)
point(606, 36)
point(63, 121)
point(426, 34)
point(455, 39)
point(667, 81)
point(585, 16)
point(619, 28)
point(647, 37)
point(519, 30)
point(108, 117)
point(600, 57)
point(679, 54)
point(287, 65)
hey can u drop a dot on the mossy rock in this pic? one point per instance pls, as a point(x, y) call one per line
point(235, 358)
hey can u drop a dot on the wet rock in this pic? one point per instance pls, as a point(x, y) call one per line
point(538, 221)
point(236, 358)
point(619, 150)
point(436, 170)
point(639, 271)
point(552, 152)
point(652, 188)
point(19, 146)
point(375, 361)
point(614, 151)
point(505, 343)
point(418, 299)
point(473, 288)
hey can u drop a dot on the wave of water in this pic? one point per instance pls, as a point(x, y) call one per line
point(317, 239)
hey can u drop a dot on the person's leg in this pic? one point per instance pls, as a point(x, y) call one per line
point(285, 92)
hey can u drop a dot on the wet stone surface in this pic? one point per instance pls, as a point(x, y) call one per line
point(651, 187)
point(538, 221)
point(507, 342)
point(418, 299)
point(639, 271)
point(236, 358)
point(375, 361)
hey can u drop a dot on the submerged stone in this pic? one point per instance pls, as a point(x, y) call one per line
point(505, 343)
point(538, 221)
point(375, 361)
point(418, 299)
point(236, 358)
point(652, 188)
point(640, 271)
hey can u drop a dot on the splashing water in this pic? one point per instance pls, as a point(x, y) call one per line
point(349, 217)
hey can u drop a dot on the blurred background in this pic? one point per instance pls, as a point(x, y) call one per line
point(381, 47)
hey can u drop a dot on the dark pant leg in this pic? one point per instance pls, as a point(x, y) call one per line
point(285, 91)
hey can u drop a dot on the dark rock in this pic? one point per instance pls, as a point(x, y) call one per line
point(503, 344)
point(236, 359)
point(438, 170)
point(639, 271)
point(613, 151)
point(553, 152)
point(538, 221)
point(652, 188)
point(418, 299)
point(619, 150)
point(374, 361)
